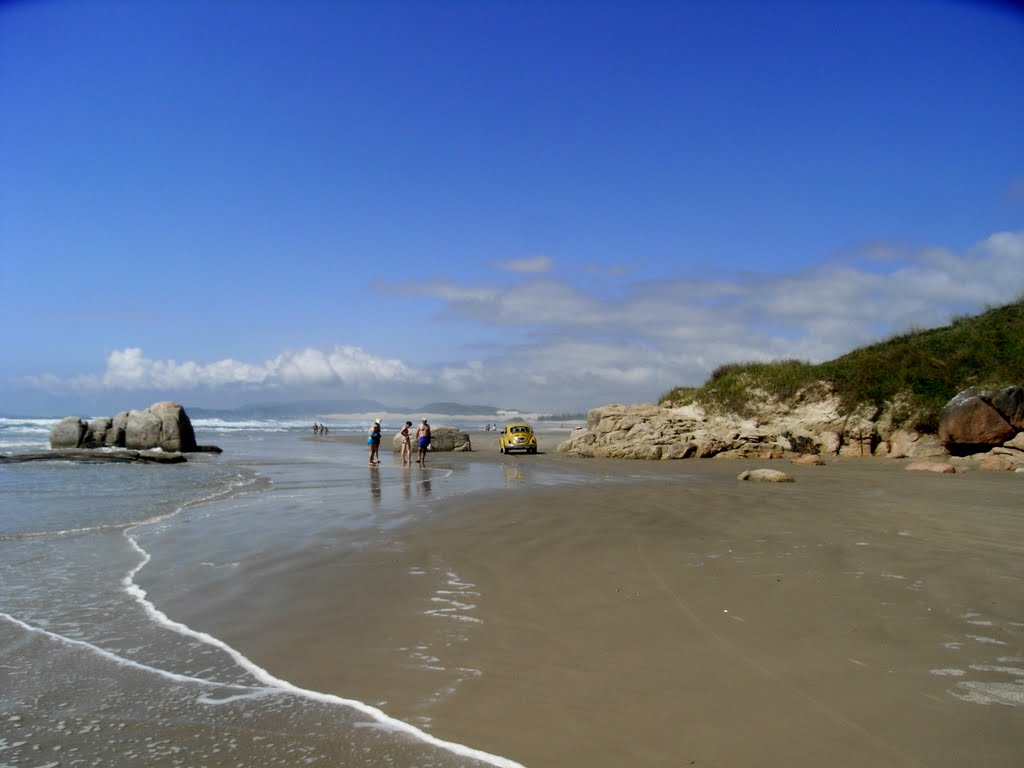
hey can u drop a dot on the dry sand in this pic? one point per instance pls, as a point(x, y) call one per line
point(666, 614)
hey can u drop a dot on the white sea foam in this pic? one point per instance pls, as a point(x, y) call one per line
point(994, 668)
point(986, 640)
point(252, 425)
point(1008, 694)
point(28, 425)
point(173, 676)
point(379, 717)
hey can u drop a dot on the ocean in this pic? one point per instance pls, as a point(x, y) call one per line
point(95, 666)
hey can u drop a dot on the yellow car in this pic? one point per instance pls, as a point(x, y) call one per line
point(517, 437)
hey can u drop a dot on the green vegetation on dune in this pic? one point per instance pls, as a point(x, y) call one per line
point(925, 367)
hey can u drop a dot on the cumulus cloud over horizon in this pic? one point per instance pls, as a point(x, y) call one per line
point(131, 369)
point(658, 334)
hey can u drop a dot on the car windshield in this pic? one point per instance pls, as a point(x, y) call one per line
point(518, 429)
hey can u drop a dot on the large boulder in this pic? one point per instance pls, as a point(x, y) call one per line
point(176, 432)
point(909, 443)
point(68, 432)
point(441, 439)
point(118, 430)
point(1010, 404)
point(96, 432)
point(163, 425)
point(449, 439)
point(143, 430)
point(969, 423)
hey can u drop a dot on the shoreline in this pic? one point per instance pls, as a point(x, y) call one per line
point(660, 613)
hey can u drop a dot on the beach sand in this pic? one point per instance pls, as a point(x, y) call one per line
point(667, 614)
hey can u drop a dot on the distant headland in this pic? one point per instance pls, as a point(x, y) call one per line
point(956, 391)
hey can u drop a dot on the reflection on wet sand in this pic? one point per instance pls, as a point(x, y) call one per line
point(375, 493)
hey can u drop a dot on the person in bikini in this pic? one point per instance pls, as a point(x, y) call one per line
point(406, 444)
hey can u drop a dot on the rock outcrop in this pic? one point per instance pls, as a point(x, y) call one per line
point(442, 438)
point(163, 425)
point(812, 424)
point(979, 419)
point(655, 432)
point(69, 432)
point(86, 456)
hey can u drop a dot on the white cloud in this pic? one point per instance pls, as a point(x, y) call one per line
point(130, 369)
point(444, 291)
point(585, 349)
point(538, 263)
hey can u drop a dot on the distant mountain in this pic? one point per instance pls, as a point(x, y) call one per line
point(297, 408)
point(310, 408)
point(457, 409)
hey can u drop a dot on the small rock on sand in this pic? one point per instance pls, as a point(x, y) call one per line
point(765, 476)
point(811, 459)
point(941, 467)
point(997, 464)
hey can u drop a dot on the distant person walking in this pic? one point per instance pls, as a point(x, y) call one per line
point(375, 443)
point(422, 441)
point(406, 444)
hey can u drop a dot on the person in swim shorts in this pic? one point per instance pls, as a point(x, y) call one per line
point(422, 441)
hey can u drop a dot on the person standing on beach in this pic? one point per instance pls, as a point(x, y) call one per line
point(422, 441)
point(406, 444)
point(374, 443)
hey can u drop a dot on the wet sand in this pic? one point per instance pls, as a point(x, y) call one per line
point(666, 614)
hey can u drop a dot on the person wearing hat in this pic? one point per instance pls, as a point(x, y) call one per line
point(422, 441)
point(374, 443)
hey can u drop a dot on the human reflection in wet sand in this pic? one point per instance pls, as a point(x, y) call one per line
point(424, 485)
point(375, 484)
point(406, 483)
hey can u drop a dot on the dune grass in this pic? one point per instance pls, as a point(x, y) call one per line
point(927, 368)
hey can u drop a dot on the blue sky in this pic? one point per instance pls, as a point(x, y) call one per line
point(547, 206)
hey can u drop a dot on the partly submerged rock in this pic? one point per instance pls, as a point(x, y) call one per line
point(68, 432)
point(163, 425)
point(90, 456)
point(96, 433)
